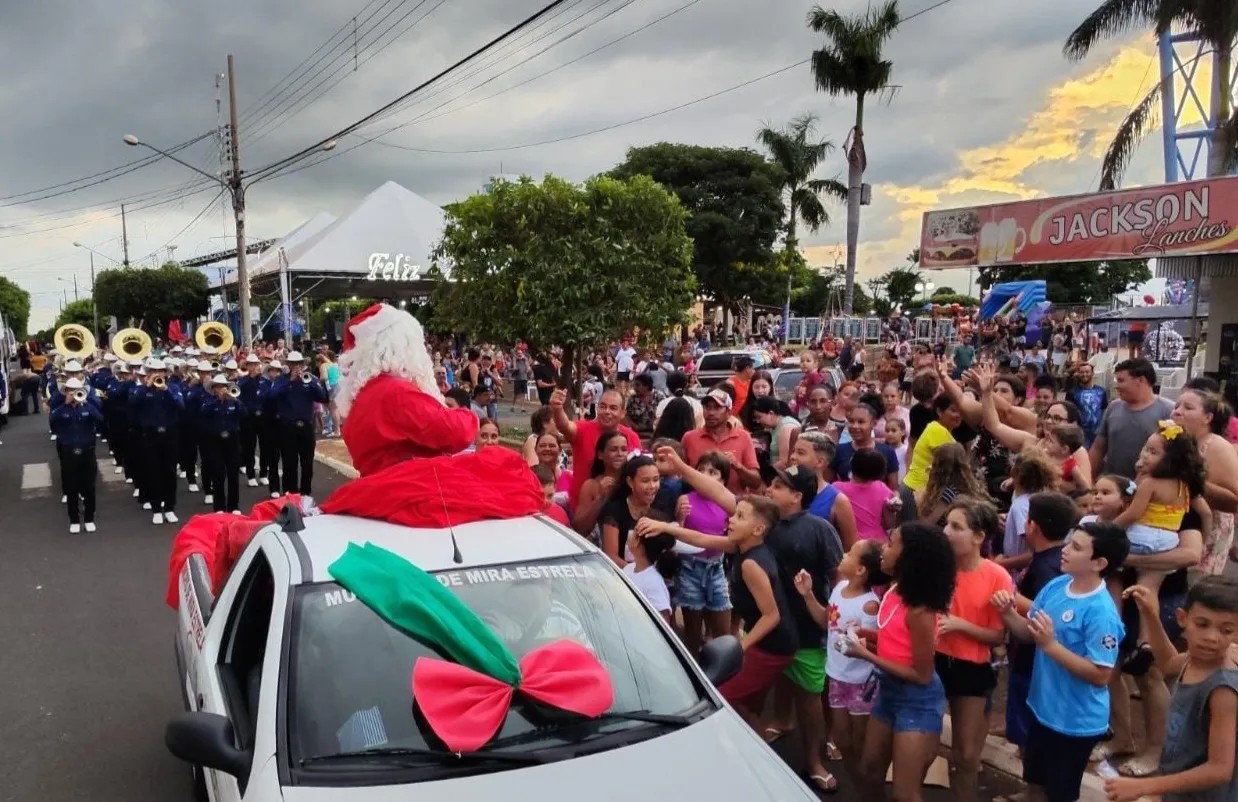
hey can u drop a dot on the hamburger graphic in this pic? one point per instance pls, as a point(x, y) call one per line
point(953, 239)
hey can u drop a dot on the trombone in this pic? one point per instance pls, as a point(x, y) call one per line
point(234, 390)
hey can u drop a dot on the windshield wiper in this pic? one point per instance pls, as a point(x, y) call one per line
point(418, 756)
point(668, 719)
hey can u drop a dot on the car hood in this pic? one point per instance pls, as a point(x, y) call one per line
point(717, 758)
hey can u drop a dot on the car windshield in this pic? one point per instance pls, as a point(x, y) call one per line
point(350, 672)
point(786, 382)
point(725, 360)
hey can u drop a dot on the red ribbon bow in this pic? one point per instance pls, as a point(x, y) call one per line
point(465, 708)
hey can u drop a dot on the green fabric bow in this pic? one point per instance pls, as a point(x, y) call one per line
point(415, 603)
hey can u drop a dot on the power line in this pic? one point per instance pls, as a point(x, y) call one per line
point(540, 75)
point(385, 109)
point(95, 179)
point(188, 226)
point(321, 157)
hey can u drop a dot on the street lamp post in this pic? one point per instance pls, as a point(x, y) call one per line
point(94, 304)
point(924, 288)
point(234, 186)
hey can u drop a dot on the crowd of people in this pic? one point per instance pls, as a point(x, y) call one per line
point(889, 551)
point(903, 533)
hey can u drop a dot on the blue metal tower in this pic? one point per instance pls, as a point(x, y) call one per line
point(1193, 96)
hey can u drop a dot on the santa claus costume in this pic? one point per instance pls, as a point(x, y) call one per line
point(388, 398)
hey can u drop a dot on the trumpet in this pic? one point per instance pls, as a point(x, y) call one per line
point(79, 396)
point(306, 378)
point(234, 390)
point(159, 383)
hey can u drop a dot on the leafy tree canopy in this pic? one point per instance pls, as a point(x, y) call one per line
point(1075, 282)
point(733, 197)
point(15, 306)
point(80, 312)
point(822, 294)
point(557, 263)
point(899, 285)
point(152, 296)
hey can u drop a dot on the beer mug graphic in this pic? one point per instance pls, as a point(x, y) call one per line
point(988, 244)
point(1010, 240)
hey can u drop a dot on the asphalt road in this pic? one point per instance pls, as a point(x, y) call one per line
point(86, 640)
point(86, 661)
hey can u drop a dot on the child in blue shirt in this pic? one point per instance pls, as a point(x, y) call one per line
point(1076, 628)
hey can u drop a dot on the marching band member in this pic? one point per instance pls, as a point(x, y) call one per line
point(191, 436)
point(159, 407)
point(99, 380)
point(231, 370)
point(115, 413)
point(268, 430)
point(251, 386)
point(135, 469)
point(75, 422)
point(221, 414)
point(295, 396)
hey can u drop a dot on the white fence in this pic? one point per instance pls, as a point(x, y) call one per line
point(805, 330)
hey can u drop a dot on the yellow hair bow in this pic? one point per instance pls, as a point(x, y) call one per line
point(1169, 429)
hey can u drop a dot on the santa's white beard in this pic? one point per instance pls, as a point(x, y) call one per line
point(398, 351)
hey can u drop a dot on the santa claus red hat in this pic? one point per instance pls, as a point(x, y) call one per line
point(371, 323)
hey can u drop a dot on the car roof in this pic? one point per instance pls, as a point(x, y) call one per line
point(325, 538)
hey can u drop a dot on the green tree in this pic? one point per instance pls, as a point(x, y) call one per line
point(80, 312)
point(1075, 282)
point(798, 153)
point(944, 291)
point(900, 285)
point(557, 263)
point(852, 63)
point(733, 197)
point(152, 296)
point(949, 298)
point(1216, 24)
point(15, 306)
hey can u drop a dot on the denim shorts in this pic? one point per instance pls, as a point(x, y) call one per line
point(701, 585)
point(908, 707)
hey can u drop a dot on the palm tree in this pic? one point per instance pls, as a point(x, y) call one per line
point(794, 150)
point(1216, 23)
point(851, 63)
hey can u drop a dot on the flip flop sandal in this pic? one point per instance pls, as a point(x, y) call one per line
point(773, 735)
point(1137, 767)
point(832, 752)
point(1107, 752)
point(823, 783)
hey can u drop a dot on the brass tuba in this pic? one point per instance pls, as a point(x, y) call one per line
point(131, 345)
point(213, 338)
point(74, 341)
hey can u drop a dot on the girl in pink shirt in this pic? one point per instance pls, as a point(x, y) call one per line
point(869, 495)
point(910, 700)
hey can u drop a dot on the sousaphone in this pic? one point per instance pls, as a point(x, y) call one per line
point(131, 345)
point(74, 342)
point(213, 338)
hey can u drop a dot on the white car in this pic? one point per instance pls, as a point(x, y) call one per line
point(297, 691)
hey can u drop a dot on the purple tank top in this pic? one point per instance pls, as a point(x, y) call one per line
point(707, 518)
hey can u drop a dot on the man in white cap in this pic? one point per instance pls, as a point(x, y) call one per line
point(220, 419)
point(115, 412)
point(294, 396)
point(269, 454)
point(251, 391)
point(76, 422)
point(388, 399)
point(192, 446)
point(159, 407)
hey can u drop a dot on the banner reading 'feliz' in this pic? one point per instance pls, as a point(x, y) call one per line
point(1183, 219)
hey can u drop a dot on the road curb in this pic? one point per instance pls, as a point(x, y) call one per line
point(1001, 755)
point(339, 466)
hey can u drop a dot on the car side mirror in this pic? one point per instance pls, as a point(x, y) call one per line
point(721, 659)
point(206, 739)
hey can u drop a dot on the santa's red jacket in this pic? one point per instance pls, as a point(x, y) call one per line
point(393, 419)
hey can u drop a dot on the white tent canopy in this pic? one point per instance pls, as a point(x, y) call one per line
point(268, 261)
point(387, 237)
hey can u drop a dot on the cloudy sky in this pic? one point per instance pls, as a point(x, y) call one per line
point(988, 110)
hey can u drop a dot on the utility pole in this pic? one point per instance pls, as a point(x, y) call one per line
point(238, 209)
point(124, 235)
point(75, 287)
